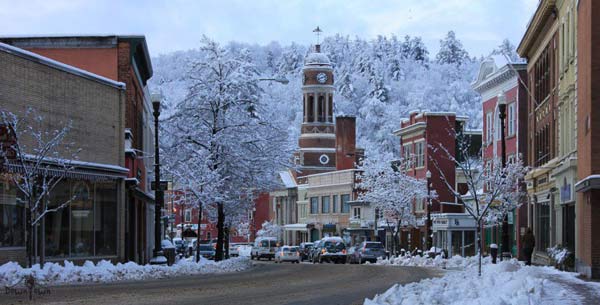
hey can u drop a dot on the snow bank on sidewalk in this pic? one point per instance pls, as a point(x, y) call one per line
point(455, 262)
point(104, 271)
point(505, 283)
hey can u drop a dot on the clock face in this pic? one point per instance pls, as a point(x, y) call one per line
point(322, 77)
point(324, 159)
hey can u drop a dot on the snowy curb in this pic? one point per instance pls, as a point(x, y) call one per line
point(12, 274)
point(455, 262)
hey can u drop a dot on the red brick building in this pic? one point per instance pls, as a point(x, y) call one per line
point(420, 135)
point(588, 141)
point(498, 77)
point(185, 216)
point(124, 59)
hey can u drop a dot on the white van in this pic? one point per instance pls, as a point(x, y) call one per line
point(264, 247)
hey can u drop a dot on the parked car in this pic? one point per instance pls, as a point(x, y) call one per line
point(304, 250)
point(330, 249)
point(313, 251)
point(367, 251)
point(264, 247)
point(207, 251)
point(287, 254)
point(235, 249)
point(180, 246)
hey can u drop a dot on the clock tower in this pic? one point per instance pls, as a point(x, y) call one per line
point(317, 152)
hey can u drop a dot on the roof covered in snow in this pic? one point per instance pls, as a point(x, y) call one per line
point(287, 179)
point(315, 58)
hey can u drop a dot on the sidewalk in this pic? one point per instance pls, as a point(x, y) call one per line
point(589, 292)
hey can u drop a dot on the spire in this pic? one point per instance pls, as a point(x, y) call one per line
point(318, 32)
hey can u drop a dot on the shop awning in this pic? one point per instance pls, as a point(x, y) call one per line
point(296, 227)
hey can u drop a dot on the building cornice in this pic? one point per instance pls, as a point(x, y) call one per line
point(544, 11)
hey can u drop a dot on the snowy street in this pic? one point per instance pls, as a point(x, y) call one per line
point(265, 283)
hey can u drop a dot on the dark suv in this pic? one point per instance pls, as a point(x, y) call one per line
point(368, 251)
point(330, 249)
point(305, 249)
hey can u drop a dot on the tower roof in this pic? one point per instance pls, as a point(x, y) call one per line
point(317, 58)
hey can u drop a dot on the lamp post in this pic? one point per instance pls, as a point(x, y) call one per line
point(429, 238)
point(502, 117)
point(159, 257)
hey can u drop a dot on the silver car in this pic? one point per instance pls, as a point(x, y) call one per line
point(287, 254)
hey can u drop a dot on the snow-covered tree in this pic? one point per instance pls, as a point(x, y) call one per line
point(225, 125)
point(385, 185)
point(451, 51)
point(36, 161)
point(270, 229)
point(508, 50)
point(491, 187)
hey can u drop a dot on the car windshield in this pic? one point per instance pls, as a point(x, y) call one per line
point(374, 246)
point(334, 246)
point(206, 248)
point(268, 243)
point(292, 249)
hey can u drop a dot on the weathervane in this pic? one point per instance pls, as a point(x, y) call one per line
point(318, 31)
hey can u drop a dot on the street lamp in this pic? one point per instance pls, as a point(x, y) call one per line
point(159, 258)
point(502, 116)
point(429, 238)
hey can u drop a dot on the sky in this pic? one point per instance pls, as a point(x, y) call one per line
point(171, 25)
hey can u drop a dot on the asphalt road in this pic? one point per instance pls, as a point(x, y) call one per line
point(265, 283)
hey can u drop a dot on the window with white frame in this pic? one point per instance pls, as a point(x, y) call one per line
point(488, 127)
point(356, 213)
point(420, 154)
point(407, 151)
point(511, 119)
point(188, 216)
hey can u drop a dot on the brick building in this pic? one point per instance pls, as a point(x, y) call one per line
point(185, 218)
point(497, 77)
point(549, 45)
point(420, 135)
point(92, 226)
point(587, 254)
point(124, 59)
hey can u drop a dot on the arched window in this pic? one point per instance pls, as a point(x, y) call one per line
point(311, 108)
point(321, 108)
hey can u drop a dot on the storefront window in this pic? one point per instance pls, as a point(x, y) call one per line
point(82, 220)
point(543, 227)
point(57, 223)
point(12, 217)
point(106, 218)
point(469, 243)
point(456, 243)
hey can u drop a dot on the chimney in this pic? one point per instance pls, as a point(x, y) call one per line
point(345, 141)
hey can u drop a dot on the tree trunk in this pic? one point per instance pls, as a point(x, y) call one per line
point(29, 236)
point(199, 228)
point(479, 245)
point(226, 242)
point(220, 232)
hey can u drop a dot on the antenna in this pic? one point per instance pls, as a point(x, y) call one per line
point(318, 31)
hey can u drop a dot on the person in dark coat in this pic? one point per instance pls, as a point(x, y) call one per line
point(527, 245)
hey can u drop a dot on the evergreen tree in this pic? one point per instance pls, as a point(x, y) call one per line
point(452, 51)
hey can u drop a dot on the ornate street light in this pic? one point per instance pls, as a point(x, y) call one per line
point(158, 257)
point(502, 116)
point(429, 233)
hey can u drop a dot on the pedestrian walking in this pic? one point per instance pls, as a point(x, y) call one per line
point(528, 244)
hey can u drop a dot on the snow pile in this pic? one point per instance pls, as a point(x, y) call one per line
point(104, 271)
point(455, 262)
point(506, 283)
